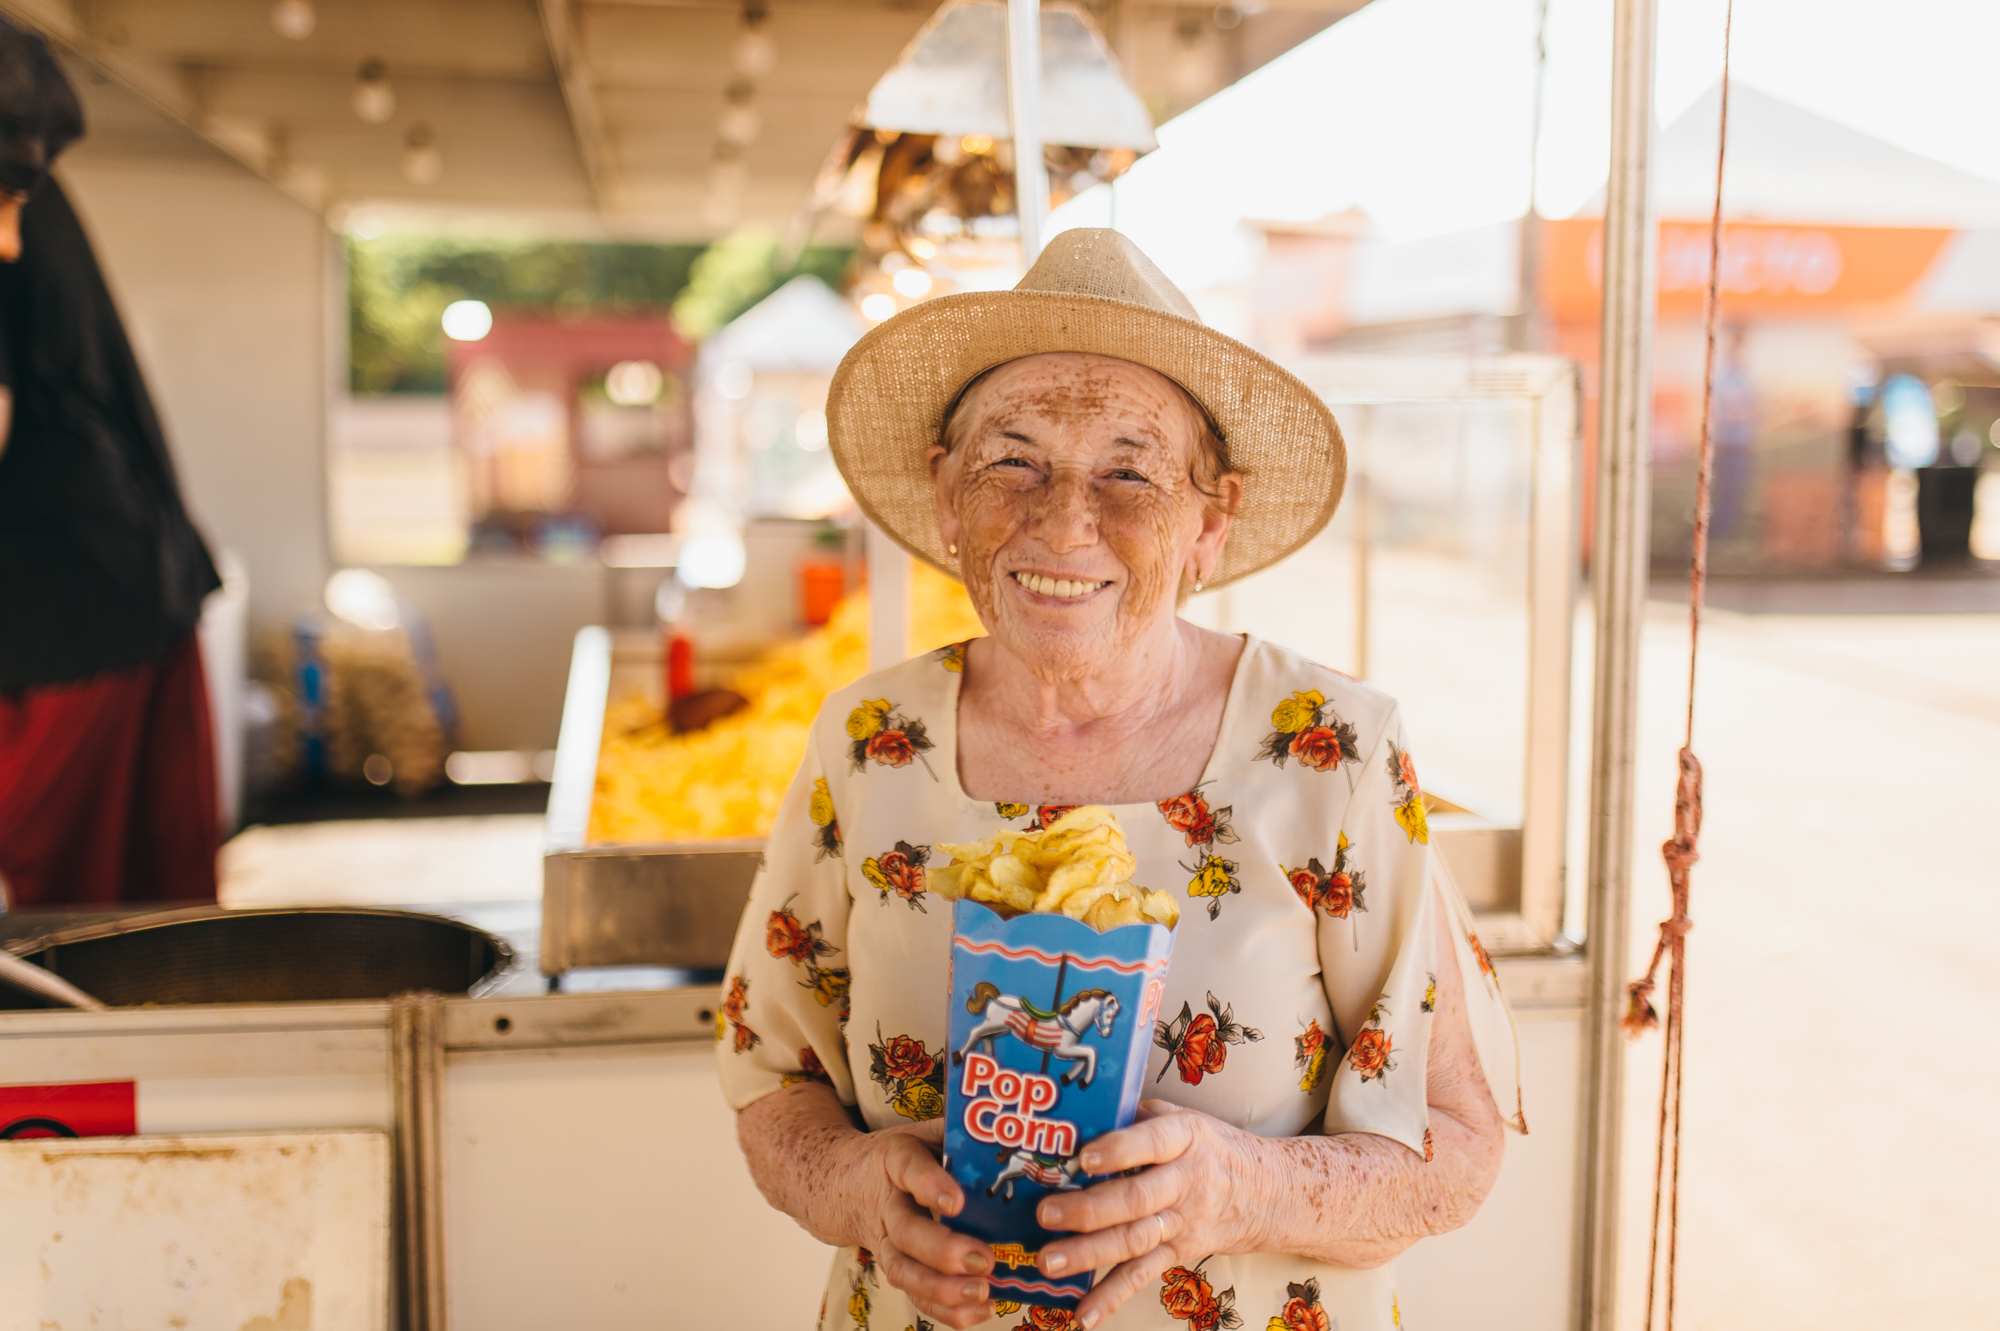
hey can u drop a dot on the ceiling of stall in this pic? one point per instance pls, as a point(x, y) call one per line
point(575, 115)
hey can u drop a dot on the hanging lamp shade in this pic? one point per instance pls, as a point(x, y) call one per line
point(952, 80)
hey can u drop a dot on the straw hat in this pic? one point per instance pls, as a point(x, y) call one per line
point(1092, 291)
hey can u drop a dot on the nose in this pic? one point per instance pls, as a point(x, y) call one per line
point(1068, 520)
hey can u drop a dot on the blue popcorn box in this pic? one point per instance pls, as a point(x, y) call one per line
point(1051, 1026)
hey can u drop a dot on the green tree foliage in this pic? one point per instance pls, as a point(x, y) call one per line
point(399, 285)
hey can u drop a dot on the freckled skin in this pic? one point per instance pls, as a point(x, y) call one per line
point(1077, 467)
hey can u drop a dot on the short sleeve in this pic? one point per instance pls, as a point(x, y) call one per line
point(1377, 945)
point(785, 994)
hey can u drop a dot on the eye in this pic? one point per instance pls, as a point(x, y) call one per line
point(1127, 474)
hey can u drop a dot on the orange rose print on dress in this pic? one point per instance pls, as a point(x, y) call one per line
point(735, 1005)
point(788, 940)
point(1373, 1052)
point(1187, 1296)
point(911, 1076)
point(1338, 891)
point(803, 945)
point(810, 1069)
point(1480, 955)
point(1309, 1055)
point(1048, 813)
point(886, 737)
point(1302, 1311)
point(1191, 816)
point(900, 871)
point(1197, 1044)
point(1205, 828)
point(1430, 1150)
point(1304, 727)
point(1047, 1319)
point(1407, 795)
point(826, 825)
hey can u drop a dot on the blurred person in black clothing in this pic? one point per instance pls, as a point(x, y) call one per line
point(107, 759)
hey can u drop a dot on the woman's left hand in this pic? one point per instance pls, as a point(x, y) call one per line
point(1201, 1195)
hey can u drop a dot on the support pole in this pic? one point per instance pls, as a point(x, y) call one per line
point(1618, 565)
point(1024, 115)
point(416, 1070)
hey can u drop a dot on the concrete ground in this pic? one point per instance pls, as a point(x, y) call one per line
point(1839, 1165)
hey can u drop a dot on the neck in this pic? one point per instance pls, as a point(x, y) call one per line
point(1149, 679)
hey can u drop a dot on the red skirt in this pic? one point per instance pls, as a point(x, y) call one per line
point(107, 787)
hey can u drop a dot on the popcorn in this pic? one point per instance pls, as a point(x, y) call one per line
point(1078, 866)
point(727, 780)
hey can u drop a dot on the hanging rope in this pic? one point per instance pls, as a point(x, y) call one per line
point(1683, 850)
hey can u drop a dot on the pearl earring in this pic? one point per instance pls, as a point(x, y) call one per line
point(952, 549)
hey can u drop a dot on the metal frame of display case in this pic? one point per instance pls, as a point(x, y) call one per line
point(1529, 879)
point(671, 906)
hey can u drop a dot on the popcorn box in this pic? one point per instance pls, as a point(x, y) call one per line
point(1051, 1026)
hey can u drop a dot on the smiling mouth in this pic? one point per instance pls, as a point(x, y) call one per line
point(1061, 589)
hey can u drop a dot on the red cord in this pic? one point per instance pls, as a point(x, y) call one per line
point(1683, 850)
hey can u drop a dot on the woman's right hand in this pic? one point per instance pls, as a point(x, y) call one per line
point(894, 1181)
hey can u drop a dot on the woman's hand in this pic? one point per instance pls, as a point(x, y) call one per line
point(895, 1180)
point(877, 1189)
point(1199, 1196)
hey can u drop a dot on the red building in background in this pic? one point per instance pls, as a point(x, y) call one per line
point(583, 427)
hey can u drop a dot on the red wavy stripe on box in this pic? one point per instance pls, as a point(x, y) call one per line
point(1034, 1286)
point(1023, 953)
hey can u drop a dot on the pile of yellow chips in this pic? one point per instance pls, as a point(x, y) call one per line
point(727, 780)
point(1078, 866)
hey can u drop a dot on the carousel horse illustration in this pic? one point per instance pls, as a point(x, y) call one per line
point(1057, 1174)
point(1059, 1033)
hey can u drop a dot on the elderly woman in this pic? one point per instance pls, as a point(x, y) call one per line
point(1084, 453)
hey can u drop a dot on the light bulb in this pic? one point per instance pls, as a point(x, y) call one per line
point(374, 99)
point(295, 19)
point(756, 54)
point(422, 163)
point(739, 124)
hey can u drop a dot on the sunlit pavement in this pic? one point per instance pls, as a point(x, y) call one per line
point(1840, 1162)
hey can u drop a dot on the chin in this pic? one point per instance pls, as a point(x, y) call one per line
point(1063, 651)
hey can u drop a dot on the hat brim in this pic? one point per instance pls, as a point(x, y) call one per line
point(887, 402)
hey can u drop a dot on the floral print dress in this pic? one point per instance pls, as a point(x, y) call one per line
point(1299, 996)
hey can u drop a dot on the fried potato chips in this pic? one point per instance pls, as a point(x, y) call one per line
point(1078, 866)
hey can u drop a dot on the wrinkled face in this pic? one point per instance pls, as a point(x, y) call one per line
point(1070, 495)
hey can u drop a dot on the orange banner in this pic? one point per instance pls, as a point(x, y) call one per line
point(1766, 268)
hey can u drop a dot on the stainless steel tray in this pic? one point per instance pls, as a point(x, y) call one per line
point(669, 905)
